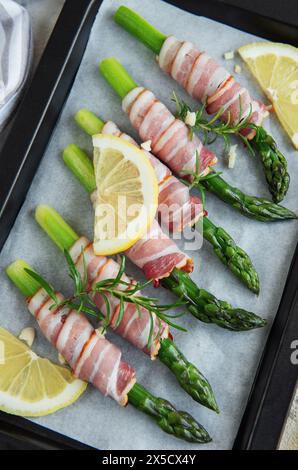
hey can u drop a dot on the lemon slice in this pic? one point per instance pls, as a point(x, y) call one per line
point(127, 194)
point(31, 385)
point(275, 66)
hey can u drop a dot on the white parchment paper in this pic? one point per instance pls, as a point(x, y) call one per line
point(228, 359)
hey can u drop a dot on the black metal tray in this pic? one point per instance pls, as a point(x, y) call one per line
point(276, 378)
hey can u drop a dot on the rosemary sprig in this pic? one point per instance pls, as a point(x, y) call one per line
point(197, 178)
point(211, 129)
point(262, 144)
point(82, 302)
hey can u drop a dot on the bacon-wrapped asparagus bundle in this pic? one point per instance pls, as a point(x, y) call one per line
point(201, 304)
point(204, 79)
point(176, 207)
point(174, 148)
point(187, 209)
point(95, 359)
point(136, 322)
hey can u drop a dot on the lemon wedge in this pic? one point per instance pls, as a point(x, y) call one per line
point(127, 194)
point(31, 385)
point(275, 66)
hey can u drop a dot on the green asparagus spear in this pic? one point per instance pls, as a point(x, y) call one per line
point(189, 377)
point(254, 207)
point(231, 255)
point(224, 246)
point(250, 206)
point(141, 29)
point(207, 308)
point(201, 304)
point(274, 163)
point(87, 121)
point(178, 423)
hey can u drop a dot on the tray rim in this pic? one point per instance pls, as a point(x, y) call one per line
point(268, 380)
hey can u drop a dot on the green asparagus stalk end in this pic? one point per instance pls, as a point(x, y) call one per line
point(56, 228)
point(90, 123)
point(140, 28)
point(117, 77)
point(81, 166)
point(21, 279)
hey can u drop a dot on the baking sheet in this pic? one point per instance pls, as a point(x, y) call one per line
point(229, 360)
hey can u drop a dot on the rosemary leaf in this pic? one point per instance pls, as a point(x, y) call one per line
point(44, 284)
point(211, 129)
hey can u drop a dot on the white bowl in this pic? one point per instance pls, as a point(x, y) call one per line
point(15, 55)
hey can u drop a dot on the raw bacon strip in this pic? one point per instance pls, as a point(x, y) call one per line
point(92, 357)
point(177, 209)
point(160, 265)
point(157, 255)
point(169, 136)
point(133, 327)
point(177, 206)
point(73, 336)
point(203, 78)
point(101, 362)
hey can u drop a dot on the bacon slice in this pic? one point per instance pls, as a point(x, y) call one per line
point(135, 325)
point(169, 136)
point(203, 78)
point(157, 255)
point(177, 209)
point(92, 357)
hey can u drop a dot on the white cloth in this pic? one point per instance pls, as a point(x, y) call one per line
point(15, 55)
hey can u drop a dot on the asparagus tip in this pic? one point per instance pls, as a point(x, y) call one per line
point(178, 423)
point(187, 374)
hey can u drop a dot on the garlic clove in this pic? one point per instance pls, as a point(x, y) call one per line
point(146, 145)
point(232, 156)
point(229, 55)
point(27, 335)
point(190, 118)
